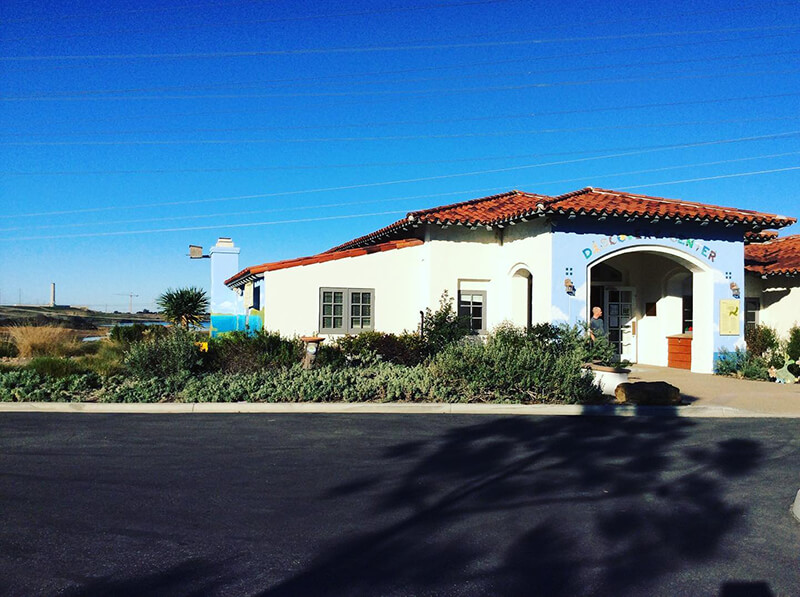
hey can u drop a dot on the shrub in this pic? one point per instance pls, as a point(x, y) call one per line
point(173, 354)
point(515, 365)
point(107, 360)
point(761, 340)
point(55, 366)
point(741, 363)
point(239, 351)
point(401, 349)
point(7, 349)
point(793, 345)
point(45, 340)
point(442, 327)
point(29, 386)
point(128, 334)
point(730, 362)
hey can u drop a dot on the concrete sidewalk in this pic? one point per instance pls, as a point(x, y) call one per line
point(702, 390)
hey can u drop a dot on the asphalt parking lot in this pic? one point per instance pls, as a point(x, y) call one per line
point(316, 504)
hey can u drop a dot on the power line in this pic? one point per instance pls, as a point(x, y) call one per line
point(645, 125)
point(397, 48)
point(419, 92)
point(277, 82)
point(390, 200)
point(403, 181)
point(404, 123)
point(247, 225)
point(349, 216)
point(737, 175)
point(216, 25)
point(94, 15)
point(472, 64)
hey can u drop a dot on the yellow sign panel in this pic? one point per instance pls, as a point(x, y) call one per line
point(729, 317)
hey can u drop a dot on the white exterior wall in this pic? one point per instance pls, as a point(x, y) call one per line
point(464, 259)
point(780, 301)
point(412, 279)
point(291, 296)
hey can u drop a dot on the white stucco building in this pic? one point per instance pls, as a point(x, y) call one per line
point(669, 274)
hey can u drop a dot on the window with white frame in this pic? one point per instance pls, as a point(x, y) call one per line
point(472, 307)
point(346, 310)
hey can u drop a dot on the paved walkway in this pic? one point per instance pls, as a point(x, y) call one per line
point(699, 389)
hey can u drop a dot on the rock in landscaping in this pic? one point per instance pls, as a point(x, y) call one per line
point(648, 392)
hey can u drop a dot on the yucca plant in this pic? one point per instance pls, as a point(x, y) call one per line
point(184, 306)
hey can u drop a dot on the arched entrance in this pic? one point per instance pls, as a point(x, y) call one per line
point(522, 297)
point(649, 295)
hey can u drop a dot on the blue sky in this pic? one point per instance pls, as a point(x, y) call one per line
point(130, 130)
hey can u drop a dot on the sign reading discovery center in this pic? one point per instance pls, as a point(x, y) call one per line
point(613, 242)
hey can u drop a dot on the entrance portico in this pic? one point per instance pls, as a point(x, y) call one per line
point(650, 293)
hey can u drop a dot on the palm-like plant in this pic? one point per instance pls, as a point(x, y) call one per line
point(184, 306)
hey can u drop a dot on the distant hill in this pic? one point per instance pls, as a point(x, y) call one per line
point(78, 318)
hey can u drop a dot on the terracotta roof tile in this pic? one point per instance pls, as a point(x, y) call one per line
point(780, 256)
point(321, 258)
point(516, 205)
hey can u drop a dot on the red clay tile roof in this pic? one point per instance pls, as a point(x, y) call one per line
point(497, 210)
point(760, 236)
point(321, 258)
point(774, 257)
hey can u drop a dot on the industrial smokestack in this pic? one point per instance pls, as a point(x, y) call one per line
point(52, 294)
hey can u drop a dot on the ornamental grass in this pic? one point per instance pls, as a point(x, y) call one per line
point(45, 340)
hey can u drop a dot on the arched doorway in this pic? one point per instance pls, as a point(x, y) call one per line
point(522, 298)
point(649, 295)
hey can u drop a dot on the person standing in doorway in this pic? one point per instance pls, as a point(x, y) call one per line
point(596, 326)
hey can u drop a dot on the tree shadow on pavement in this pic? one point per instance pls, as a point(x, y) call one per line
point(198, 576)
point(551, 506)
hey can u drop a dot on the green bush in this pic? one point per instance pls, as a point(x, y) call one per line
point(136, 332)
point(240, 352)
point(173, 354)
point(55, 366)
point(520, 366)
point(8, 349)
point(28, 385)
point(107, 360)
point(741, 363)
point(401, 349)
point(153, 389)
point(443, 327)
point(761, 340)
point(793, 345)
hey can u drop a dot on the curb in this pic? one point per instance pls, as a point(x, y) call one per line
point(603, 410)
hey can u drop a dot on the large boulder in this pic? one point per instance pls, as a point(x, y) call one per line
point(648, 392)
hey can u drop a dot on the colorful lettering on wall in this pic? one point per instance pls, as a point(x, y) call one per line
point(607, 242)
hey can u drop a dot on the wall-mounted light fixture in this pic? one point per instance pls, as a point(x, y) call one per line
point(735, 290)
point(569, 287)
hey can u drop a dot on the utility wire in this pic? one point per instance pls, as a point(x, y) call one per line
point(392, 48)
point(390, 200)
point(349, 216)
point(737, 175)
point(182, 229)
point(96, 14)
point(419, 92)
point(220, 25)
point(401, 181)
point(645, 125)
point(270, 84)
point(533, 114)
point(440, 67)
